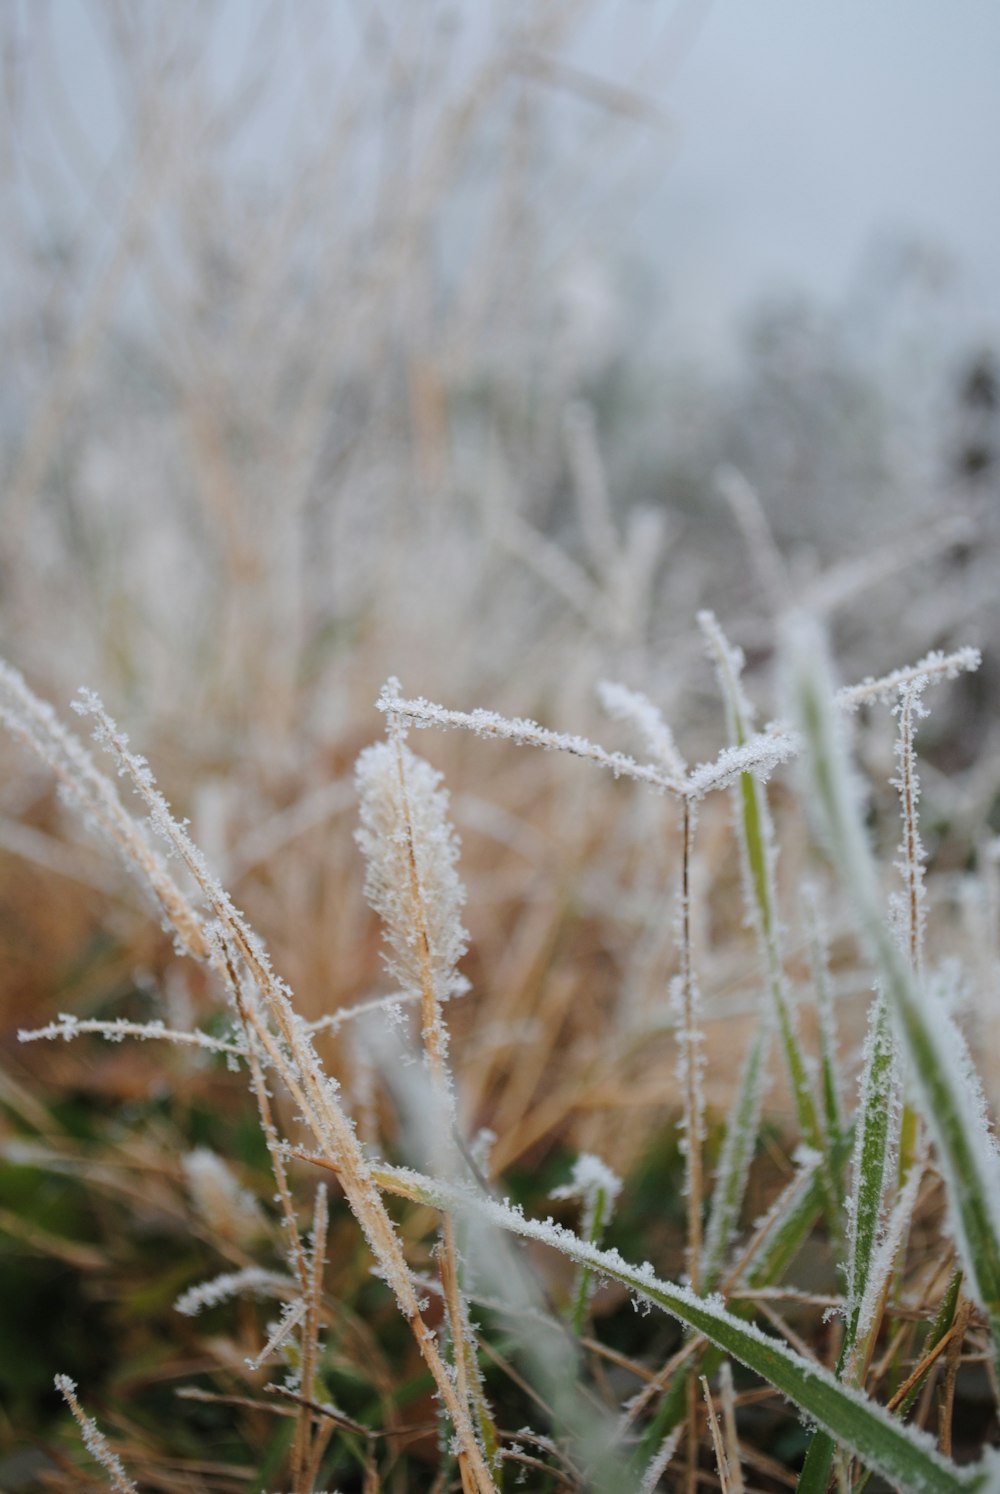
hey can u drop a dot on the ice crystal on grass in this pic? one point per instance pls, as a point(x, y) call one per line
point(292, 1314)
point(947, 1088)
point(759, 755)
point(94, 1440)
point(411, 852)
point(876, 1140)
point(412, 882)
point(116, 1029)
point(590, 1176)
point(526, 733)
point(252, 1280)
point(936, 664)
point(640, 713)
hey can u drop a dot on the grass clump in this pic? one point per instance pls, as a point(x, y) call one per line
point(388, 1316)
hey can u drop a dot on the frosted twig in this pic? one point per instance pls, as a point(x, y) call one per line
point(911, 866)
point(411, 851)
point(420, 713)
point(116, 1029)
point(661, 1461)
point(291, 1316)
point(94, 1439)
point(690, 1054)
point(760, 754)
point(248, 971)
point(623, 704)
point(721, 1461)
point(936, 665)
point(35, 723)
point(252, 1279)
point(333, 1021)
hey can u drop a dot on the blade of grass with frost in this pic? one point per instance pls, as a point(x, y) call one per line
point(782, 1231)
point(887, 1129)
point(819, 960)
point(911, 868)
point(269, 1018)
point(545, 1345)
point(599, 1188)
point(777, 1240)
point(858, 1344)
point(902, 1403)
point(947, 1090)
point(412, 882)
point(94, 1439)
point(901, 1454)
point(758, 854)
point(876, 1133)
point(876, 1137)
point(639, 711)
point(868, 1317)
point(737, 1152)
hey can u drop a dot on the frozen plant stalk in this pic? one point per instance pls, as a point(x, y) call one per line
point(412, 882)
point(94, 1439)
point(274, 1034)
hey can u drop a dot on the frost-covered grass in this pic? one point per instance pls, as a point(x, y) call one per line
point(855, 1308)
point(389, 398)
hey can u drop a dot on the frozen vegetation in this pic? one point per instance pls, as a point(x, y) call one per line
point(575, 1070)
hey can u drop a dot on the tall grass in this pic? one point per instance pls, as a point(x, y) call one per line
point(737, 1275)
point(389, 400)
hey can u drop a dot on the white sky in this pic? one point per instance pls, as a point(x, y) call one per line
point(810, 129)
point(807, 130)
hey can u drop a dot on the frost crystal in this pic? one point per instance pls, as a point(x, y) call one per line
point(94, 1439)
point(412, 852)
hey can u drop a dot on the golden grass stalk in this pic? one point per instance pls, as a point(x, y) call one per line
point(280, 1040)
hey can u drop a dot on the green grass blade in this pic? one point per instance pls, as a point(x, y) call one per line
point(872, 1158)
point(940, 1326)
point(779, 1241)
point(947, 1088)
point(899, 1453)
point(816, 1470)
point(819, 962)
point(737, 1153)
point(758, 853)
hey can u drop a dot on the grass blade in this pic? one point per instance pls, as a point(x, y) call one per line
point(899, 1453)
point(758, 853)
point(948, 1090)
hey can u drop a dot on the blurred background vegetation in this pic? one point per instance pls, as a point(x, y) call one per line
point(348, 341)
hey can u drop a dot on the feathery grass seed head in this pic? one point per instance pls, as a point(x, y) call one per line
point(393, 883)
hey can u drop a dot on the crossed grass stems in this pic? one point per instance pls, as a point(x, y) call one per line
point(918, 1097)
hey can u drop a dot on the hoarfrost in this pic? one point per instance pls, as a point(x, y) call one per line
point(252, 1279)
point(94, 1439)
point(631, 706)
